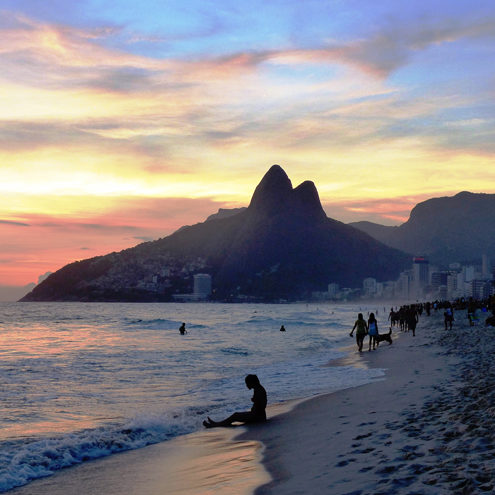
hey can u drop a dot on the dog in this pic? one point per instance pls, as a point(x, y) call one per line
point(384, 337)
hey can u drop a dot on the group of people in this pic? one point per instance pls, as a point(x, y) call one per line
point(364, 328)
point(406, 317)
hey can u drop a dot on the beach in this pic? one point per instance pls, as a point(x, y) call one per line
point(426, 427)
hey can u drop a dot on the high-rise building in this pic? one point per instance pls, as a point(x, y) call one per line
point(485, 267)
point(468, 272)
point(369, 286)
point(403, 285)
point(333, 290)
point(438, 279)
point(202, 285)
point(420, 275)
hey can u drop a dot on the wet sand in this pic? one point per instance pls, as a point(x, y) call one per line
point(203, 463)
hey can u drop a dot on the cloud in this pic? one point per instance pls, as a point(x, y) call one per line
point(383, 211)
point(52, 241)
point(69, 57)
point(390, 47)
point(12, 222)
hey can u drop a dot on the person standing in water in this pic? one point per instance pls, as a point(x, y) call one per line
point(373, 330)
point(257, 413)
point(182, 329)
point(361, 330)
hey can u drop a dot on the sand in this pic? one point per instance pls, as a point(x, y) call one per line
point(426, 428)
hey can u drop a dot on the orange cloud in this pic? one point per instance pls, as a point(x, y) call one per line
point(33, 243)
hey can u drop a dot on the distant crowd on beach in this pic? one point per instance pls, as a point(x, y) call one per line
point(406, 318)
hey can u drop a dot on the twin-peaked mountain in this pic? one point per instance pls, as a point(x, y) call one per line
point(282, 246)
point(460, 228)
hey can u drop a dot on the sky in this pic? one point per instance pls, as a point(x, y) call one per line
point(122, 121)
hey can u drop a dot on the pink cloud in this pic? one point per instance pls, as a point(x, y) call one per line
point(383, 211)
point(34, 244)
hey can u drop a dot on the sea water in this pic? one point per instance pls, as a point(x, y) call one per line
point(80, 381)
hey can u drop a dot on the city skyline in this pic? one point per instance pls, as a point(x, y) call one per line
point(120, 125)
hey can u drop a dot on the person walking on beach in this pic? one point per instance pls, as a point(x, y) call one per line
point(373, 330)
point(448, 317)
point(257, 413)
point(182, 329)
point(361, 330)
point(411, 319)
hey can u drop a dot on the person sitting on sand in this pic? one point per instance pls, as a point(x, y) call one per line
point(362, 330)
point(257, 413)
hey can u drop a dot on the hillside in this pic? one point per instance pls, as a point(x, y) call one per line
point(459, 228)
point(281, 246)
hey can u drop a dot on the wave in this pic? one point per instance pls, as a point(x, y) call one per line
point(235, 350)
point(153, 324)
point(23, 461)
point(159, 324)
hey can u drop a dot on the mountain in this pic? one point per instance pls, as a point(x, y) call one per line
point(281, 246)
point(459, 228)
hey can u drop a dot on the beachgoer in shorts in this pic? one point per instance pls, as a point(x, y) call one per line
point(373, 330)
point(361, 330)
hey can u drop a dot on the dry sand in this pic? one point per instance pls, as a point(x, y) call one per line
point(427, 428)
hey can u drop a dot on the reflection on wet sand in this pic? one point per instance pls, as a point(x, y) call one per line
point(204, 463)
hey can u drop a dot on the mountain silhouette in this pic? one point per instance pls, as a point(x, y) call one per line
point(459, 228)
point(282, 246)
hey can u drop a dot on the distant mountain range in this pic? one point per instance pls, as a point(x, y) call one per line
point(282, 246)
point(460, 228)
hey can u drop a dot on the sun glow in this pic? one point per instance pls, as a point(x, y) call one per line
point(103, 117)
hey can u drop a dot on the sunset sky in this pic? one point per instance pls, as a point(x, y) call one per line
point(122, 121)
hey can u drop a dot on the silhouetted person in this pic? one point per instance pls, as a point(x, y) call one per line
point(257, 413)
point(361, 331)
point(373, 330)
point(411, 319)
point(448, 317)
point(182, 329)
point(282, 328)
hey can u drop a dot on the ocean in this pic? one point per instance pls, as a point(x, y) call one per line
point(80, 381)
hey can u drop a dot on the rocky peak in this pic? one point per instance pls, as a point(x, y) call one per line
point(274, 195)
point(273, 192)
point(307, 201)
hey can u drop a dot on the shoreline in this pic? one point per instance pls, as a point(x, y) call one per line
point(200, 463)
point(390, 436)
point(393, 435)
